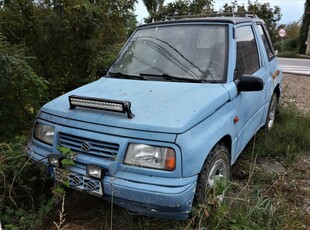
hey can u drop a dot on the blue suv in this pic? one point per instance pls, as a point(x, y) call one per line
point(174, 111)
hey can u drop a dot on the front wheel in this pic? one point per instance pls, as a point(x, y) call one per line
point(216, 167)
point(271, 112)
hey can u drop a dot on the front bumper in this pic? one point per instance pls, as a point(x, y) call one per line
point(172, 202)
point(151, 200)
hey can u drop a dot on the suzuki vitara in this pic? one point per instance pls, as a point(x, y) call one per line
point(173, 112)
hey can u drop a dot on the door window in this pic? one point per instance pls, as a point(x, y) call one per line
point(267, 42)
point(247, 53)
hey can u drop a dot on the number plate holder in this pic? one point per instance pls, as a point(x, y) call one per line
point(79, 181)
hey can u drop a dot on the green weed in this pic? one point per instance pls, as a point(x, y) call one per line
point(290, 136)
point(24, 189)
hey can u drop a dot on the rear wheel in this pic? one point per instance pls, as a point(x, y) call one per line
point(216, 167)
point(271, 112)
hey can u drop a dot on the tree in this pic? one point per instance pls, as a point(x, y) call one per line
point(154, 8)
point(68, 42)
point(200, 6)
point(234, 7)
point(21, 90)
point(68, 37)
point(186, 7)
point(263, 10)
point(270, 15)
point(304, 28)
point(292, 30)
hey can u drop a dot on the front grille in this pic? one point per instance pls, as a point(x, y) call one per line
point(88, 146)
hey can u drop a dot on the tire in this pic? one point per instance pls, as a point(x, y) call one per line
point(217, 164)
point(271, 112)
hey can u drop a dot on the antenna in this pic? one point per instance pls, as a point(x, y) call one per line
point(233, 13)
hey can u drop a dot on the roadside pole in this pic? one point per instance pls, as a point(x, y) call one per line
point(282, 34)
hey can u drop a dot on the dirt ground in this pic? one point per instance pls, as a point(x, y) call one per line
point(296, 89)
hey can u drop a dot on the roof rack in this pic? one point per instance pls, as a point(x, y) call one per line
point(214, 14)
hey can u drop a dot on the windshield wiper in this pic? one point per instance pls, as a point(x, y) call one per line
point(126, 76)
point(173, 78)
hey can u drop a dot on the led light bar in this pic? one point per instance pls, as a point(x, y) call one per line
point(102, 104)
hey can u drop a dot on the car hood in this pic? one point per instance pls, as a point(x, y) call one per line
point(158, 106)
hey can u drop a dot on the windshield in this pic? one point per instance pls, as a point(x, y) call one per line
point(190, 52)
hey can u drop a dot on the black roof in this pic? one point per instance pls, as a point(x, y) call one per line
point(233, 20)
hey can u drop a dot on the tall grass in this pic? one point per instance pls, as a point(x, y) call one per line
point(290, 136)
point(255, 199)
point(24, 195)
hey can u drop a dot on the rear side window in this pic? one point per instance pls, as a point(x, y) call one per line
point(267, 42)
point(247, 53)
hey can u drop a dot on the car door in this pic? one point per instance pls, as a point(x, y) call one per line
point(250, 105)
point(270, 61)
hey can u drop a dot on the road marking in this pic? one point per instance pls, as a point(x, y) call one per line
point(296, 69)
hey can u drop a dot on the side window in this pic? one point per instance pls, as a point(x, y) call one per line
point(267, 42)
point(247, 53)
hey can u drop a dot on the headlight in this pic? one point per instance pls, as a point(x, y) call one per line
point(44, 133)
point(150, 156)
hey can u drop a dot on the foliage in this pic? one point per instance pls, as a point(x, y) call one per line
point(292, 30)
point(263, 10)
point(290, 136)
point(158, 11)
point(21, 90)
point(67, 38)
point(254, 199)
point(154, 8)
point(24, 189)
point(195, 7)
point(304, 28)
point(270, 15)
point(290, 45)
point(50, 47)
point(290, 41)
point(59, 189)
point(289, 54)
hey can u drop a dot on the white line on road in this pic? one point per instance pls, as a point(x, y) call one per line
point(296, 69)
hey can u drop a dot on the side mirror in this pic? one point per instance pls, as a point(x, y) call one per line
point(249, 83)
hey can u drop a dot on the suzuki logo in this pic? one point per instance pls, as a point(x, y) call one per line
point(85, 147)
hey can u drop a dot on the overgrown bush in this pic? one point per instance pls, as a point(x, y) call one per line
point(289, 45)
point(24, 189)
point(21, 90)
point(290, 136)
point(254, 199)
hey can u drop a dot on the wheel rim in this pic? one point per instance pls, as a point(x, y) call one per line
point(272, 114)
point(219, 168)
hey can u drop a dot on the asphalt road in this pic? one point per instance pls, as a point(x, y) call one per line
point(295, 65)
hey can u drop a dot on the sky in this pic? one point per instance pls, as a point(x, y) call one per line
point(292, 10)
